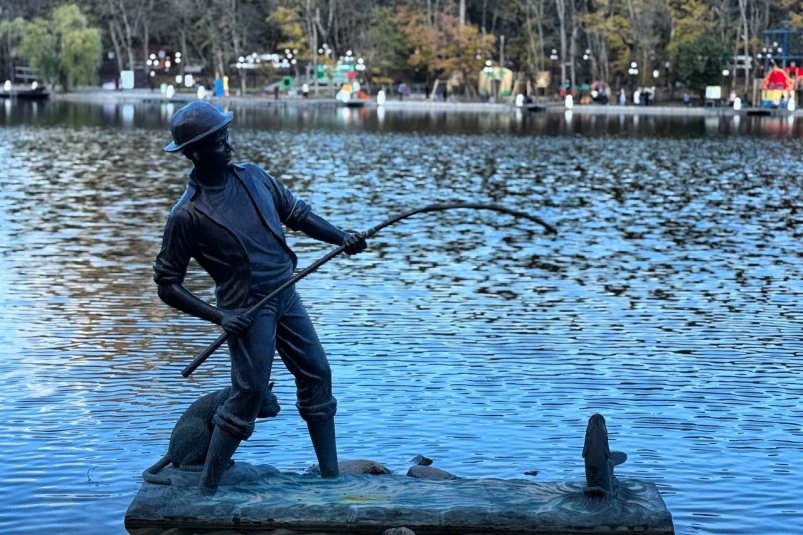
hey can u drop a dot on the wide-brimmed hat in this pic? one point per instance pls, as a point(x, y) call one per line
point(194, 122)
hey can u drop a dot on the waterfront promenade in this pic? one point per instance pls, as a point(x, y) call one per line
point(551, 106)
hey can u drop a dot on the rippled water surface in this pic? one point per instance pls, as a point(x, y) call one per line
point(670, 302)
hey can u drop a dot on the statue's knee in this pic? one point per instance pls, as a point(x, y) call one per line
point(317, 412)
point(245, 400)
point(237, 415)
point(320, 373)
point(233, 424)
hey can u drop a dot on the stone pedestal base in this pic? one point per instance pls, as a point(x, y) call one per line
point(261, 498)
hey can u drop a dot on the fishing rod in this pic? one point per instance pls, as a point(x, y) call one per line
point(206, 353)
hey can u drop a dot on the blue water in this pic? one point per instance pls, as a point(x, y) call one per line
point(670, 302)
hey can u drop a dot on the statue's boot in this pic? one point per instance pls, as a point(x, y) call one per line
point(218, 457)
point(322, 434)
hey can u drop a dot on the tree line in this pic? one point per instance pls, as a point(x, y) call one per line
point(619, 42)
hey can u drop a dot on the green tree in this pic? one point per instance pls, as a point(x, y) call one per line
point(81, 56)
point(387, 48)
point(63, 48)
point(11, 32)
point(291, 25)
point(688, 22)
point(39, 47)
point(700, 62)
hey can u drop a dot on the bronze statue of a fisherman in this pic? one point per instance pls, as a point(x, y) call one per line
point(230, 220)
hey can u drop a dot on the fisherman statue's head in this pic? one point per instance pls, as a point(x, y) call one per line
point(201, 132)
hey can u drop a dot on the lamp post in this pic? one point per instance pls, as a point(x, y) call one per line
point(326, 52)
point(241, 73)
point(779, 50)
point(348, 60)
point(151, 63)
point(553, 56)
point(587, 65)
point(765, 57)
point(633, 71)
point(292, 56)
point(726, 77)
point(360, 79)
point(488, 70)
point(289, 61)
point(667, 78)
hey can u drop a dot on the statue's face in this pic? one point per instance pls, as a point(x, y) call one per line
point(214, 152)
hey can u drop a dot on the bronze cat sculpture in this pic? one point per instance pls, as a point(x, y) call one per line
point(190, 438)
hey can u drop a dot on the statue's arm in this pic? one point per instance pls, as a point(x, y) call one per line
point(298, 215)
point(170, 269)
point(318, 228)
point(178, 297)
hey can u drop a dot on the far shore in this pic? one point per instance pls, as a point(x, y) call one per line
point(414, 104)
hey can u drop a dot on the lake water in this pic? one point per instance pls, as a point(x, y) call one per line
point(670, 302)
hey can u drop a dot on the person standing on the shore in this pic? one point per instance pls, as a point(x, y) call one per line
point(622, 97)
point(403, 90)
point(230, 220)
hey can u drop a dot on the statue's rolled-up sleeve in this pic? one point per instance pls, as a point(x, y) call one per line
point(171, 262)
point(292, 210)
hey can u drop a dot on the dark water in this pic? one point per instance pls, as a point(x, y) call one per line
point(670, 302)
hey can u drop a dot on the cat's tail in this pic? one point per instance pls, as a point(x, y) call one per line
point(149, 475)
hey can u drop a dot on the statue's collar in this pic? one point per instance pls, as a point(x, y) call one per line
point(194, 188)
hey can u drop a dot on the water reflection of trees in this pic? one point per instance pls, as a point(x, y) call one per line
point(644, 221)
point(83, 207)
